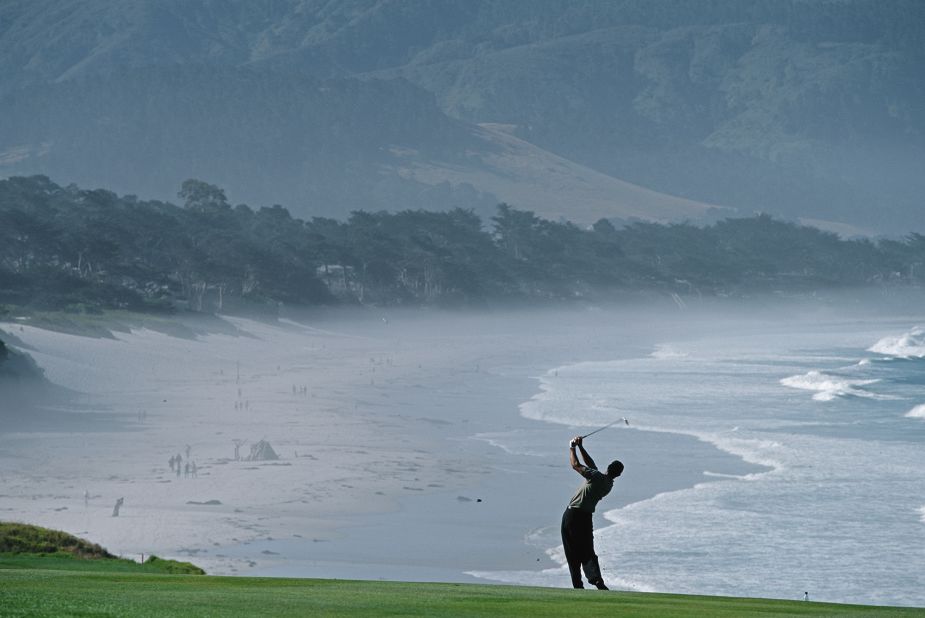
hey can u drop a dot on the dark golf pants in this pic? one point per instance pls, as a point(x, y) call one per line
point(578, 540)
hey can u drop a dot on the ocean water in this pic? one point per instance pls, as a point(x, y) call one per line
point(835, 415)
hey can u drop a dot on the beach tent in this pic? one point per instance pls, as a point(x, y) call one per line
point(262, 451)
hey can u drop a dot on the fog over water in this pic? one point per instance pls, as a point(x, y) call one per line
point(773, 448)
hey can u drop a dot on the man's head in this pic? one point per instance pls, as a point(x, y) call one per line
point(615, 468)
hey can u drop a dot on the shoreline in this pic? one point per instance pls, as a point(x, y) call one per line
point(409, 459)
point(527, 537)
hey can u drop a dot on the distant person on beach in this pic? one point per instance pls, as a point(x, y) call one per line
point(577, 527)
point(115, 509)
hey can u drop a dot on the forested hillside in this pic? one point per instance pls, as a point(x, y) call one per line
point(810, 109)
point(88, 250)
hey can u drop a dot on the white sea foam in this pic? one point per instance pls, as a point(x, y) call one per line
point(723, 475)
point(922, 514)
point(917, 412)
point(759, 452)
point(664, 351)
point(908, 345)
point(828, 387)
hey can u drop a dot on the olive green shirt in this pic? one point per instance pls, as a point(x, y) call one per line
point(595, 487)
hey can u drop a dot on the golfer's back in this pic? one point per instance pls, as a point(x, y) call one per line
point(595, 487)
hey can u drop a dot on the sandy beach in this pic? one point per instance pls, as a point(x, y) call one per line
point(393, 431)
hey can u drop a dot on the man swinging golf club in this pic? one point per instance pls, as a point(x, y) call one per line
point(577, 529)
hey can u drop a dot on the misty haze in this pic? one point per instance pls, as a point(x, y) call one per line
point(351, 290)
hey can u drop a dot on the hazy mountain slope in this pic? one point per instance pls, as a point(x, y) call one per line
point(318, 146)
point(801, 107)
point(736, 114)
point(518, 172)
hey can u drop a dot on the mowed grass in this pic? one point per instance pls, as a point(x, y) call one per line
point(51, 573)
point(50, 592)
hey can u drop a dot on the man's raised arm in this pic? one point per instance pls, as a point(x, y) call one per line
point(584, 455)
point(573, 458)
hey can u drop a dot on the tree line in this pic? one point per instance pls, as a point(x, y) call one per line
point(67, 248)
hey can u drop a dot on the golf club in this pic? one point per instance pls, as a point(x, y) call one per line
point(605, 427)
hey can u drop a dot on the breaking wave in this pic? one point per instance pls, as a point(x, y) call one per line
point(827, 387)
point(917, 412)
point(909, 345)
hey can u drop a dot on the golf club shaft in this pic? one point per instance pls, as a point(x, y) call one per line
point(602, 428)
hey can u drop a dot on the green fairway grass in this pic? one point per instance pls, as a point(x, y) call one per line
point(51, 573)
point(86, 591)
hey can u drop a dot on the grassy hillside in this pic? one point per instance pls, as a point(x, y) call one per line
point(27, 547)
point(16, 538)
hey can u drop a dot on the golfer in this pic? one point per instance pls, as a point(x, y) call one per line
point(577, 530)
